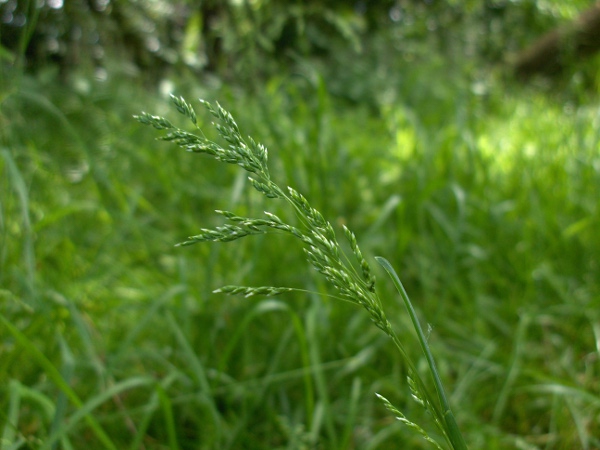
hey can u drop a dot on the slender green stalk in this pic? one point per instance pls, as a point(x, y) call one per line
point(455, 435)
point(353, 281)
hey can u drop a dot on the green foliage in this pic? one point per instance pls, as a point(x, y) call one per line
point(248, 41)
point(482, 195)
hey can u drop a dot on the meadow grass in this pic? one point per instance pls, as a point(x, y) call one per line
point(112, 338)
point(321, 248)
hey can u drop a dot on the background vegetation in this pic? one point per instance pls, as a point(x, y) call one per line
point(399, 119)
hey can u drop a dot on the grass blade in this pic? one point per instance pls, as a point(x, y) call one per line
point(453, 433)
point(54, 375)
point(85, 410)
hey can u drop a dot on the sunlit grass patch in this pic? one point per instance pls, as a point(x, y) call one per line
point(497, 247)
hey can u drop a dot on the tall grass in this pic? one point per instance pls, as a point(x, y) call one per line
point(488, 213)
point(320, 246)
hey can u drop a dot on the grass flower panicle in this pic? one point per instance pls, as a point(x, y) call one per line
point(321, 248)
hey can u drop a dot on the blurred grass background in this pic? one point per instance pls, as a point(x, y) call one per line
point(398, 119)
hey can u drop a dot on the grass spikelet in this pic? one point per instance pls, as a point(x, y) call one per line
point(364, 265)
point(266, 291)
point(184, 108)
point(160, 123)
point(402, 418)
point(267, 190)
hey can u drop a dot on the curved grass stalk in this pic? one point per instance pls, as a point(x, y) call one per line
point(321, 248)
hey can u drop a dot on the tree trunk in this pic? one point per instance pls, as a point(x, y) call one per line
point(561, 47)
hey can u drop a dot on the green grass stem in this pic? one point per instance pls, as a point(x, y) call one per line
point(321, 248)
point(454, 435)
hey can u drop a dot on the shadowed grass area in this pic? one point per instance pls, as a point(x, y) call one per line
point(111, 337)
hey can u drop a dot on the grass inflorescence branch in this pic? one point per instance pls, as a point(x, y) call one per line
point(320, 245)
